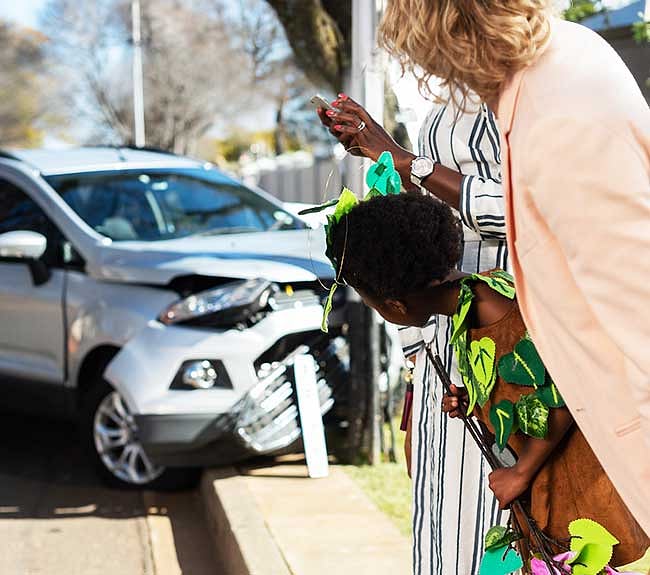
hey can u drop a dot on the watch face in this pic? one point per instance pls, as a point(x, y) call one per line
point(422, 167)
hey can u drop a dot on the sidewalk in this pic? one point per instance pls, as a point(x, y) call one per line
point(274, 519)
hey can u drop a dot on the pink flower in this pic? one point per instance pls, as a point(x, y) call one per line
point(538, 567)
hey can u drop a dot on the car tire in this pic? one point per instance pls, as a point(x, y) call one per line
point(96, 416)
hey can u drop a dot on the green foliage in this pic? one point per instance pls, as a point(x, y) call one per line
point(500, 536)
point(550, 396)
point(500, 561)
point(578, 10)
point(593, 546)
point(641, 30)
point(482, 354)
point(499, 283)
point(328, 308)
point(502, 416)
point(523, 365)
point(532, 416)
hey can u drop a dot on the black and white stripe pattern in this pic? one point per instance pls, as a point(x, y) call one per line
point(452, 505)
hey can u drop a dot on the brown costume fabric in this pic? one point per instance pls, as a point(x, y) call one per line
point(571, 484)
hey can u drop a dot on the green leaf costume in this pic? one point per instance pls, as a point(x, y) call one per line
point(502, 417)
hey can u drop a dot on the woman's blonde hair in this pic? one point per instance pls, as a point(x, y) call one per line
point(469, 44)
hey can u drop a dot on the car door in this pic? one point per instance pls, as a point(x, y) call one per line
point(32, 332)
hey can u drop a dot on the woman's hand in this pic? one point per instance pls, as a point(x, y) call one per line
point(351, 125)
point(508, 484)
point(452, 403)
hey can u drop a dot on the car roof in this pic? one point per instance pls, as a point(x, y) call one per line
point(87, 159)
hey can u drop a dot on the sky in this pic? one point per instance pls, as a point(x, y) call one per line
point(26, 12)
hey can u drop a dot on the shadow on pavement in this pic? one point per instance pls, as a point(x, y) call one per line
point(45, 475)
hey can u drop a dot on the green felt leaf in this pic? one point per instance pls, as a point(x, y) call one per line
point(383, 177)
point(500, 536)
point(502, 417)
point(532, 416)
point(523, 365)
point(500, 561)
point(328, 308)
point(465, 299)
point(591, 559)
point(470, 386)
point(504, 275)
point(482, 354)
point(584, 531)
point(494, 536)
point(373, 193)
point(498, 284)
point(347, 201)
point(465, 370)
point(550, 396)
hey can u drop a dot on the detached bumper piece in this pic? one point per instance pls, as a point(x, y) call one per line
point(265, 421)
point(269, 420)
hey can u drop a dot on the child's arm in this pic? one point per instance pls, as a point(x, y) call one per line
point(508, 484)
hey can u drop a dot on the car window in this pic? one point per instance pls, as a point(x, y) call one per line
point(155, 206)
point(18, 212)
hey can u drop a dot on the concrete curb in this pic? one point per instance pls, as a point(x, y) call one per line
point(243, 543)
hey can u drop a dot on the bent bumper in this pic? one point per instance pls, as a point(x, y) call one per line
point(190, 440)
point(266, 420)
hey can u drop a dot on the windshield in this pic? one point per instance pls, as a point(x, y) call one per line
point(154, 205)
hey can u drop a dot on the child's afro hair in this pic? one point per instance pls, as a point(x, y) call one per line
point(395, 245)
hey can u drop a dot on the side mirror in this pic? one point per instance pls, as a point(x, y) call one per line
point(26, 247)
point(22, 245)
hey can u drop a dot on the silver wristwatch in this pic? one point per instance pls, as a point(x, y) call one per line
point(421, 167)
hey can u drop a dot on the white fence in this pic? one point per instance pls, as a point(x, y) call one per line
point(298, 177)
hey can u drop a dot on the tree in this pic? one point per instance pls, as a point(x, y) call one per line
point(275, 77)
point(22, 65)
point(320, 34)
point(193, 75)
point(580, 9)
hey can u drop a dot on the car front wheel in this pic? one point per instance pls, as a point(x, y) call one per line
point(112, 439)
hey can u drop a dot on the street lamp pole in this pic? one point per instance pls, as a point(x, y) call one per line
point(366, 86)
point(138, 89)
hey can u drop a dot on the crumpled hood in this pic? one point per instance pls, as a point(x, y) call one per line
point(284, 256)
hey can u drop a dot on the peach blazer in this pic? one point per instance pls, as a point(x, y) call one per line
point(575, 135)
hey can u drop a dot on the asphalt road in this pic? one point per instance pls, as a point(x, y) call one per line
point(56, 518)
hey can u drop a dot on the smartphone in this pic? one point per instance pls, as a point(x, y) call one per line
point(320, 102)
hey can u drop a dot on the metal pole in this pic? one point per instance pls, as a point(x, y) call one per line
point(138, 89)
point(366, 86)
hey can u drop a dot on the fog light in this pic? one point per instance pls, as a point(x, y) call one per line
point(200, 375)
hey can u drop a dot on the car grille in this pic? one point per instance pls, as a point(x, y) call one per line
point(269, 420)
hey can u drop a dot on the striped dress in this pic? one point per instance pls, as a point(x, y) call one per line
point(452, 505)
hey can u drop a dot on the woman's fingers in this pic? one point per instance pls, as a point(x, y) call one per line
point(345, 129)
point(344, 118)
point(348, 105)
point(324, 118)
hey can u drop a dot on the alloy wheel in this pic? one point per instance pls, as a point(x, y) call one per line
point(117, 442)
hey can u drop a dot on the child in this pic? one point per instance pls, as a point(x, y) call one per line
point(399, 252)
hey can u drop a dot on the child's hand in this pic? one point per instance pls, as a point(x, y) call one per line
point(450, 403)
point(508, 484)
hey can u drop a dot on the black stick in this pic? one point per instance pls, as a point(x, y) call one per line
point(492, 460)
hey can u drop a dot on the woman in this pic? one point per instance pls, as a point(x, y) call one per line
point(576, 147)
point(556, 474)
point(451, 501)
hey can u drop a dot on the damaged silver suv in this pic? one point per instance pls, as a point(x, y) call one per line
point(161, 302)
